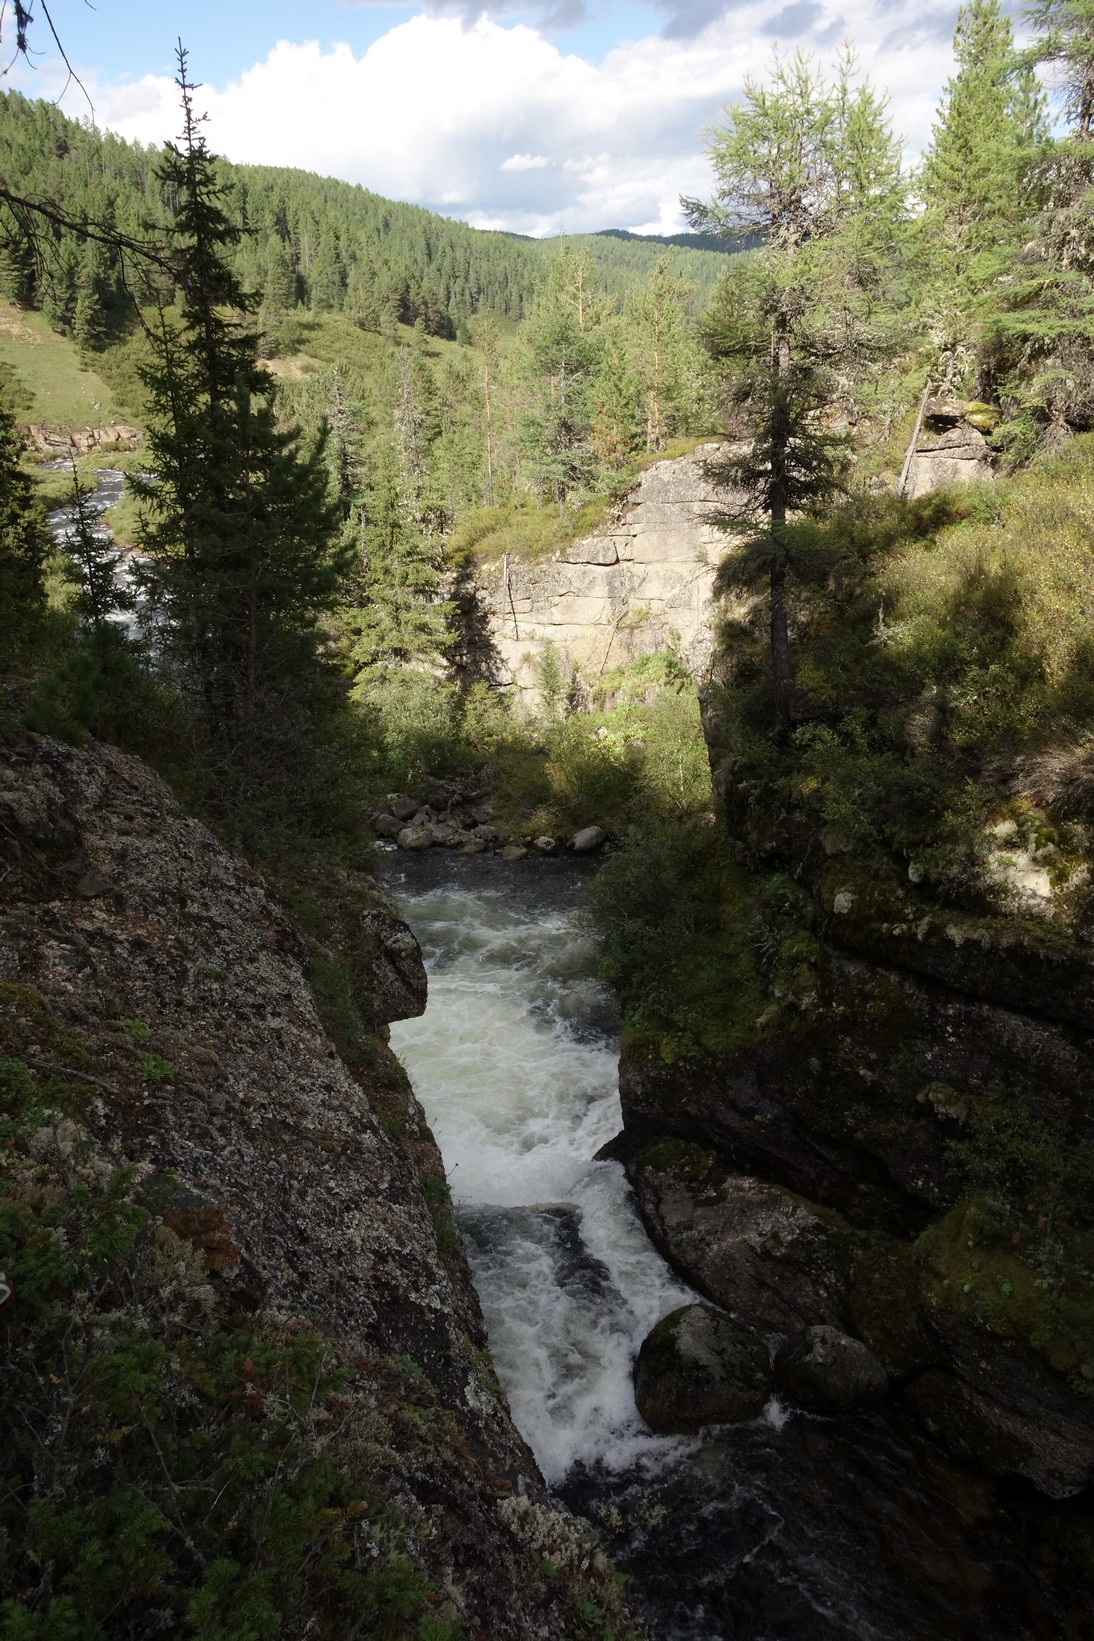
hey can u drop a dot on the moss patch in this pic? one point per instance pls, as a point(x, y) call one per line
point(1015, 1274)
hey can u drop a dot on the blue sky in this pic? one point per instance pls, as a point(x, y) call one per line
point(533, 115)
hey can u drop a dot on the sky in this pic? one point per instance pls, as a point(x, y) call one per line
point(537, 116)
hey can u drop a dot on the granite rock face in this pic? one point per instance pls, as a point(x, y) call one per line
point(774, 1259)
point(121, 911)
point(950, 449)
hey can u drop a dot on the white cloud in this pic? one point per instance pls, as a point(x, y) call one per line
point(495, 124)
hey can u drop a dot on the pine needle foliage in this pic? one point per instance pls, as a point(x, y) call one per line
point(237, 519)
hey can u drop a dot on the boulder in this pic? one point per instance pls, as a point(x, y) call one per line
point(588, 839)
point(546, 846)
point(399, 982)
point(402, 808)
point(443, 833)
point(487, 834)
point(415, 838)
point(700, 1367)
point(386, 826)
point(828, 1372)
point(777, 1260)
point(473, 846)
point(514, 851)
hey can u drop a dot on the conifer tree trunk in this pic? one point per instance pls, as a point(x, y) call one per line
point(780, 449)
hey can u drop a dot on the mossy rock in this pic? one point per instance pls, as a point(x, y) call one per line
point(684, 1163)
point(988, 1264)
point(699, 1367)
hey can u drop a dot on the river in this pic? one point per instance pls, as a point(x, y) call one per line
point(791, 1528)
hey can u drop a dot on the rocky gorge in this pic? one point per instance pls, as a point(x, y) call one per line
point(162, 1044)
point(891, 1183)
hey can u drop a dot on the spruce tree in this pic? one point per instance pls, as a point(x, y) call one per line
point(664, 353)
point(238, 520)
point(562, 343)
point(989, 125)
point(96, 561)
point(24, 541)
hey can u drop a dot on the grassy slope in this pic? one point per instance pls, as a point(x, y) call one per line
point(64, 394)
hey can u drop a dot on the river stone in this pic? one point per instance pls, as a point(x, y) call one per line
point(415, 838)
point(772, 1257)
point(700, 1367)
point(403, 809)
point(546, 846)
point(828, 1372)
point(588, 839)
point(387, 826)
point(514, 851)
point(487, 834)
point(473, 846)
point(443, 833)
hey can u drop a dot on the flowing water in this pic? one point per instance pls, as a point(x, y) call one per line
point(791, 1528)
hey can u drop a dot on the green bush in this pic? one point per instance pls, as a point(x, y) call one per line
point(674, 917)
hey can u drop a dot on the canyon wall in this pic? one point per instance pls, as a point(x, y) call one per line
point(156, 1015)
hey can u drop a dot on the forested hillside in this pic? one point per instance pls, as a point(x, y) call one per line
point(308, 241)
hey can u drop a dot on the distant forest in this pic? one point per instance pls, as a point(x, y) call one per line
point(306, 241)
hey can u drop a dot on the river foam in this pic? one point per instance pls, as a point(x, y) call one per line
point(515, 1062)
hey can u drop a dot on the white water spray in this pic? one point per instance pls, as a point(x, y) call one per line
point(515, 1064)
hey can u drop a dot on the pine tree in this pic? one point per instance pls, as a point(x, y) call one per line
point(238, 519)
point(812, 168)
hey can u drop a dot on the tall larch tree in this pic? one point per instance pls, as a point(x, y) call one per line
point(810, 168)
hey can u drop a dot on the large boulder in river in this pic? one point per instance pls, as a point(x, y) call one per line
point(828, 1372)
point(780, 1262)
point(588, 840)
point(415, 838)
point(699, 1367)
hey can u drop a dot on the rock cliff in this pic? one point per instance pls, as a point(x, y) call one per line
point(903, 1148)
point(642, 584)
point(151, 981)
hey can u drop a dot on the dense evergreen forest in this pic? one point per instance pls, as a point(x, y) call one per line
point(309, 242)
point(347, 403)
